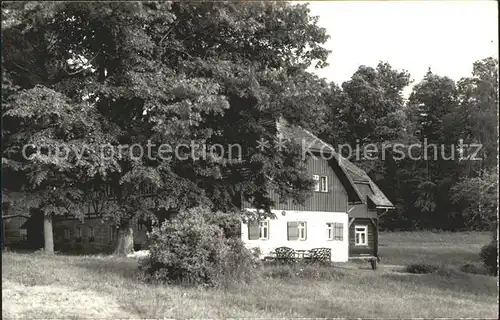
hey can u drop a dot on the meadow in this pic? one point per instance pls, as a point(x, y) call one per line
point(38, 286)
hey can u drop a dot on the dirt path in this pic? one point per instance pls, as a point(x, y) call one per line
point(53, 301)
point(385, 268)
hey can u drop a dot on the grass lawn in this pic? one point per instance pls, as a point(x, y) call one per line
point(447, 248)
point(36, 286)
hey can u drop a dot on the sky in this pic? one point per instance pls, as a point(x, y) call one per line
point(447, 36)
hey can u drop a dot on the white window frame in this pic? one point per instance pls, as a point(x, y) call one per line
point(329, 230)
point(67, 234)
point(364, 231)
point(264, 226)
point(302, 230)
point(323, 188)
point(316, 182)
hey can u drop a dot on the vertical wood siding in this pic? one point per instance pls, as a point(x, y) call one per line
point(362, 250)
point(361, 211)
point(335, 200)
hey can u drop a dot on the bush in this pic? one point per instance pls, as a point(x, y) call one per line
point(256, 252)
point(421, 268)
point(446, 271)
point(239, 264)
point(192, 249)
point(489, 254)
point(474, 269)
point(230, 223)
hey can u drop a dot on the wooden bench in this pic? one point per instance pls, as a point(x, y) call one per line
point(288, 255)
point(285, 254)
point(321, 255)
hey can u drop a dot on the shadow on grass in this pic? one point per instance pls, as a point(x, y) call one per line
point(99, 265)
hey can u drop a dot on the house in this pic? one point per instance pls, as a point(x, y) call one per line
point(24, 230)
point(92, 234)
point(13, 234)
point(342, 213)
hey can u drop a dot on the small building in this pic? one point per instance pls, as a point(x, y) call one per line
point(92, 234)
point(342, 213)
point(13, 218)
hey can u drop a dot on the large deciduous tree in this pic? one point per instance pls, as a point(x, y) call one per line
point(149, 74)
point(477, 190)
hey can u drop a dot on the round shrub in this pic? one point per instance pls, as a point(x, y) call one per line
point(473, 269)
point(420, 268)
point(238, 265)
point(230, 223)
point(192, 249)
point(489, 254)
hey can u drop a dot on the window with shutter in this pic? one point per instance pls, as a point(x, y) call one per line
point(335, 231)
point(293, 231)
point(253, 231)
point(338, 231)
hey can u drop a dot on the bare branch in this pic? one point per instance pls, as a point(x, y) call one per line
point(169, 30)
point(179, 50)
point(20, 67)
point(15, 216)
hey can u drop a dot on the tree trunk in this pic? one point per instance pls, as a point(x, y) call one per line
point(48, 234)
point(125, 244)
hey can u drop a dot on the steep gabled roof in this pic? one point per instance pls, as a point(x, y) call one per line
point(377, 197)
point(353, 175)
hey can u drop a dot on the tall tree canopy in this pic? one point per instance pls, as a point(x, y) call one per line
point(369, 109)
point(436, 184)
point(477, 190)
point(85, 75)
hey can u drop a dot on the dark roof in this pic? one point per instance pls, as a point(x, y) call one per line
point(355, 175)
point(377, 196)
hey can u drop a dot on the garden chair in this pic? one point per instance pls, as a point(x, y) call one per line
point(321, 255)
point(285, 254)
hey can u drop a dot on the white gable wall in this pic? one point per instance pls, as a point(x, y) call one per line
point(316, 233)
